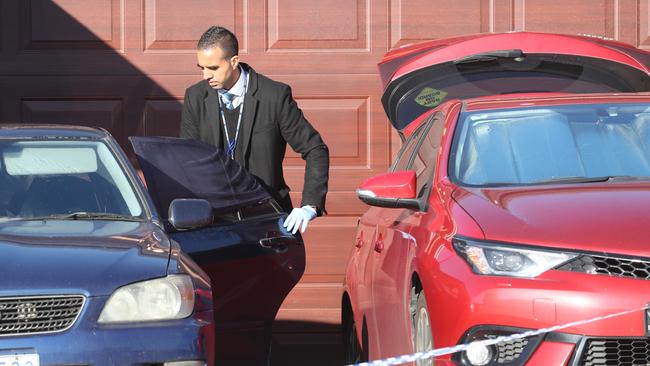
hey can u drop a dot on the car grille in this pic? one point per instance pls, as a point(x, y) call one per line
point(28, 315)
point(594, 264)
point(619, 352)
point(508, 352)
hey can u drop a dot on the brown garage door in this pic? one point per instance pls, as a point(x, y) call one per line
point(124, 65)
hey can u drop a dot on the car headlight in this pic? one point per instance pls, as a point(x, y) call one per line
point(503, 260)
point(166, 298)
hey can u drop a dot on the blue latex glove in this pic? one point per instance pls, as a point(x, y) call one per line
point(299, 218)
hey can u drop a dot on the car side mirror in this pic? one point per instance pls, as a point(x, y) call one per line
point(392, 190)
point(189, 213)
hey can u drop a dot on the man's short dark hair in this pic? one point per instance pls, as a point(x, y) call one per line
point(222, 37)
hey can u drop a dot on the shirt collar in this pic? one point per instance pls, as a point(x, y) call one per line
point(240, 86)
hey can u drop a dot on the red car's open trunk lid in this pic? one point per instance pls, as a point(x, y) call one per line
point(419, 78)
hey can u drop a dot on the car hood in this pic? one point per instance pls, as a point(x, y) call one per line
point(79, 256)
point(419, 78)
point(612, 218)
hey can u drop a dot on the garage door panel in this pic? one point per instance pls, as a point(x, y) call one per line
point(161, 117)
point(314, 295)
point(328, 242)
point(341, 179)
point(71, 24)
point(340, 203)
point(419, 20)
point(644, 24)
point(343, 123)
point(175, 26)
point(102, 113)
point(596, 17)
point(304, 25)
point(311, 307)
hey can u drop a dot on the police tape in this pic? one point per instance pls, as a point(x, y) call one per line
point(399, 360)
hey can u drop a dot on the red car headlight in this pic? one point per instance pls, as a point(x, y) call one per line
point(499, 259)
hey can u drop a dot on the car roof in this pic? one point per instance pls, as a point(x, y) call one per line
point(51, 131)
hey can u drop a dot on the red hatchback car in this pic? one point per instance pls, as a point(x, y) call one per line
point(520, 200)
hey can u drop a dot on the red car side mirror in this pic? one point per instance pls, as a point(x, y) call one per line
point(393, 190)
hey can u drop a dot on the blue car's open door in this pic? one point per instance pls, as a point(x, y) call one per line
point(253, 262)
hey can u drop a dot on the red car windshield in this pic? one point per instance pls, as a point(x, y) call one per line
point(552, 144)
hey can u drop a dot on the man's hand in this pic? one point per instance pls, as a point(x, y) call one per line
point(299, 218)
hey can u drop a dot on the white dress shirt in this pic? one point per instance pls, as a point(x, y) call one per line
point(236, 93)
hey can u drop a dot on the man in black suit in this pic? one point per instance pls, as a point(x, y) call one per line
point(253, 118)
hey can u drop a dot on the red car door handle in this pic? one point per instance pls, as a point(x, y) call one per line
point(359, 242)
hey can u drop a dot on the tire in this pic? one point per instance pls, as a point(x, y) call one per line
point(351, 345)
point(422, 336)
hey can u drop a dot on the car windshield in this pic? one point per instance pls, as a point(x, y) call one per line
point(67, 179)
point(552, 144)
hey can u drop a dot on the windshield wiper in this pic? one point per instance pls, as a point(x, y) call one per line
point(604, 178)
point(572, 179)
point(516, 55)
point(86, 216)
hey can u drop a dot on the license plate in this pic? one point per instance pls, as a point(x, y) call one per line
point(29, 359)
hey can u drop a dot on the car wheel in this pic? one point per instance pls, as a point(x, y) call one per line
point(422, 337)
point(352, 346)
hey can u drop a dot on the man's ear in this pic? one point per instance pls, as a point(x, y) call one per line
point(234, 61)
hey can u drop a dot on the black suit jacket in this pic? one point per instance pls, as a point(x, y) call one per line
point(271, 119)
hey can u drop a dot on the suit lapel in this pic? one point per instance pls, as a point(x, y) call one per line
point(212, 116)
point(250, 109)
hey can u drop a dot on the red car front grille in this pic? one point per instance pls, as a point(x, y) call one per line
point(620, 352)
point(612, 266)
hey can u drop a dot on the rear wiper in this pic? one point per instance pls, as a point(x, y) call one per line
point(516, 55)
point(87, 216)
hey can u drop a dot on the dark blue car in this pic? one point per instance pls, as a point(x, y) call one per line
point(99, 270)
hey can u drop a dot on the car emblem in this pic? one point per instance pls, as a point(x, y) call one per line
point(26, 312)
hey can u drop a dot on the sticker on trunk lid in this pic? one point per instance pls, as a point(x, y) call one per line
point(430, 97)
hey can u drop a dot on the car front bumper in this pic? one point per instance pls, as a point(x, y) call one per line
point(150, 344)
point(506, 305)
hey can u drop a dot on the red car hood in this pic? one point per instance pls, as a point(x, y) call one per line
point(607, 217)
